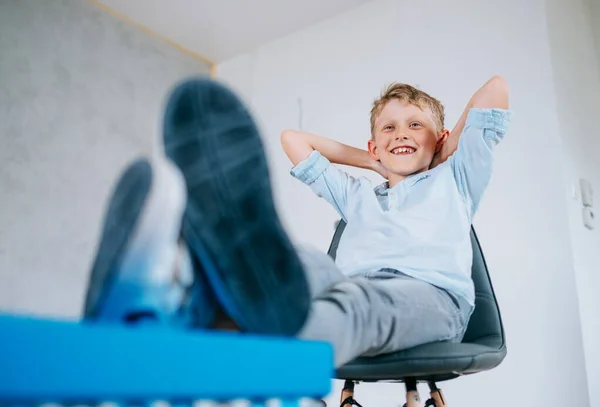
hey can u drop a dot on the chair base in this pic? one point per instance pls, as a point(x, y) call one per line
point(413, 398)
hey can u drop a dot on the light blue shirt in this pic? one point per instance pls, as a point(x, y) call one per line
point(421, 226)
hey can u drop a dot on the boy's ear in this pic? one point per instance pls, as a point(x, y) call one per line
point(373, 150)
point(443, 137)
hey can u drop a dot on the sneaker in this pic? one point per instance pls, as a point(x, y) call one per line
point(230, 222)
point(142, 270)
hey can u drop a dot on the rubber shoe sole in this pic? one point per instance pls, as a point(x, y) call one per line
point(230, 221)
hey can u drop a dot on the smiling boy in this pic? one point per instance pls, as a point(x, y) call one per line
point(402, 271)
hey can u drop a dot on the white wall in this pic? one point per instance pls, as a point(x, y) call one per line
point(593, 10)
point(80, 95)
point(339, 66)
point(577, 87)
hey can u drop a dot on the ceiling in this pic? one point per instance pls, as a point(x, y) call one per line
point(221, 29)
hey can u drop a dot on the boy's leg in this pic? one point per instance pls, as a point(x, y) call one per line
point(141, 270)
point(230, 222)
point(367, 317)
point(238, 249)
point(321, 272)
point(380, 314)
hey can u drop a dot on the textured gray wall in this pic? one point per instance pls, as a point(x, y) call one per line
point(81, 94)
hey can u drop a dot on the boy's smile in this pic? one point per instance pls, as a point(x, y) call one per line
point(403, 150)
point(405, 139)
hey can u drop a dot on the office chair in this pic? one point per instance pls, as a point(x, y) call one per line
point(482, 348)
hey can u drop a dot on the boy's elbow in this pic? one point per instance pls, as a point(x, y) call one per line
point(286, 136)
point(289, 142)
point(494, 94)
point(498, 84)
point(295, 146)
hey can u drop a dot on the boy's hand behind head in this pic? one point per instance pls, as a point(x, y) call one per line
point(380, 169)
point(407, 130)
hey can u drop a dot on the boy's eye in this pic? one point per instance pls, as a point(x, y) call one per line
point(388, 127)
point(415, 125)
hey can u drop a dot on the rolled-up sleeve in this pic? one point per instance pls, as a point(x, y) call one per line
point(472, 163)
point(326, 180)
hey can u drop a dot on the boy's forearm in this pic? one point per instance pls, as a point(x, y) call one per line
point(492, 95)
point(299, 145)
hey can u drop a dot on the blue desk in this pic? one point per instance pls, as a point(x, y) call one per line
point(74, 363)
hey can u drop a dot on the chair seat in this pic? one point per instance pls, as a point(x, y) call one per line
point(431, 362)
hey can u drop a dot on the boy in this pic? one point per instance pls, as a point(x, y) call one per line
point(225, 258)
point(406, 246)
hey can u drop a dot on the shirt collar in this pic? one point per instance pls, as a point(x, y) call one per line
point(383, 189)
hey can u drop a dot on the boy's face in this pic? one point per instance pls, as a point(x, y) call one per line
point(405, 140)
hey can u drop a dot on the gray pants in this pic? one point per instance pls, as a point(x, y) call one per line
point(377, 313)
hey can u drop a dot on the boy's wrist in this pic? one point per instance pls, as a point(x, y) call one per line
point(369, 163)
point(366, 161)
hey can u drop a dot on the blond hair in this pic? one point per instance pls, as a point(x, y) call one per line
point(409, 95)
